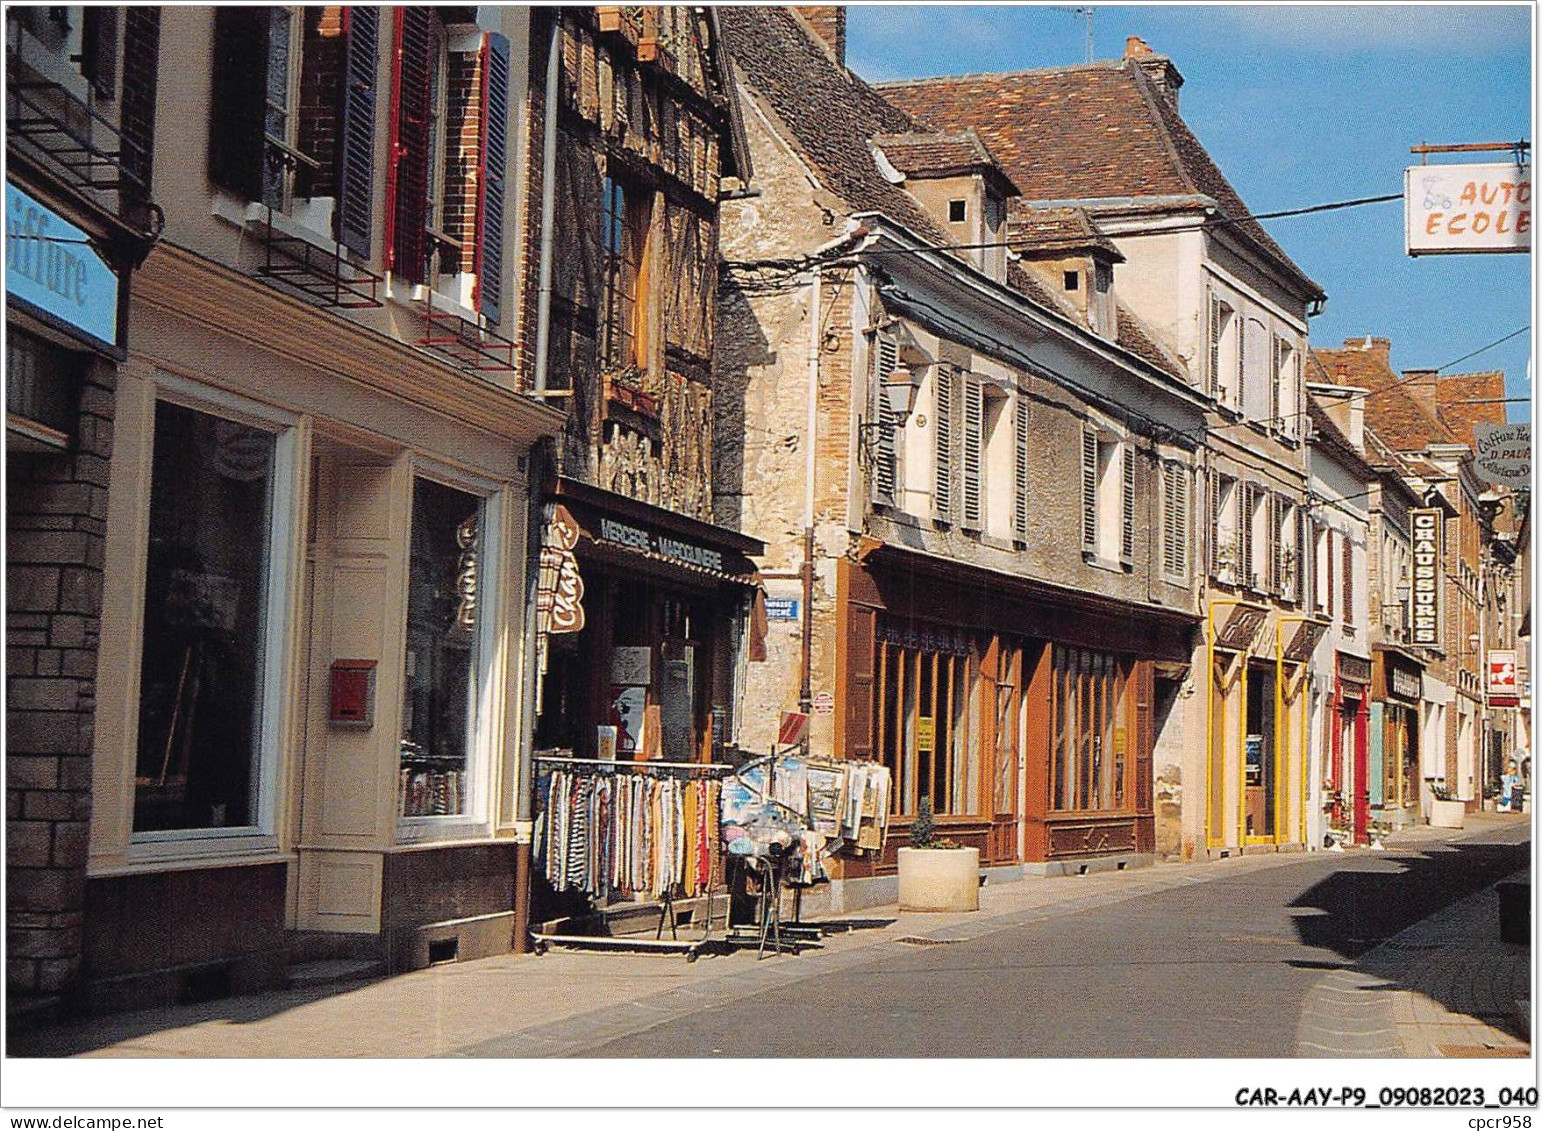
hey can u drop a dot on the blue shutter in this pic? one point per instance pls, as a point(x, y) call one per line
point(495, 146)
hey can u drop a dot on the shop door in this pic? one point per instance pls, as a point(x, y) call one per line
point(1260, 771)
point(1002, 673)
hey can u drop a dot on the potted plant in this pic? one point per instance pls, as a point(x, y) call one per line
point(1446, 812)
point(935, 873)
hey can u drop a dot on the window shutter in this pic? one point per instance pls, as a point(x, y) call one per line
point(1020, 466)
point(1214, 528)
point(141, 63)
point(495, 142)
point(356, 148)
point(885, 471)
point(974, 427)
point(861, 636)
point(237, 100)
point(1239, 393)
point(1276, 544)
point(1175, 520)
point(1349, 581)
point(99, 50)
point(1245, 536)
point(942, 457)
point(1089, 490)
point(1303, 555)
point(406, 248)
point(1294, 410)
point(1127, 504)
point(1331, 589)
point(1214, 386)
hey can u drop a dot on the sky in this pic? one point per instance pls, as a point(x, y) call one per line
point(1301, 105)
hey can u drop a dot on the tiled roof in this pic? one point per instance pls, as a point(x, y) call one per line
point(1094, 131)
point(1452, 391)
point(1398, 418)
point(942, 154)
point(827, 112)
point(1039, 229)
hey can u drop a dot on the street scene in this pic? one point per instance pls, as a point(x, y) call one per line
point(625, 532)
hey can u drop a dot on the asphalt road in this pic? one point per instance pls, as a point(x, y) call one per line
point(1213, 969)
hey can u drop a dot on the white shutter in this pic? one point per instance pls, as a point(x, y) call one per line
point(1277, 367)
point(1277, 544)
point(1127, 504)
point(1245, 535)
point(1303, 555)
point(942, 457)
point(885, 466)
point(1020, 466)
point(1089, 490)
point(974, 426)
point(1213, 378)
point(1239, 394)
point(1293, 417)
point(1214, 530)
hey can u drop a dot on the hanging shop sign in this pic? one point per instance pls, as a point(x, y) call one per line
point(1354, 669)
point(1451, 209)
point(1502, 454)
point(559, 596)
point(1304, 641)
point(53, 271)
point(1426, 524)
point(1241, 627)
point(1403, 685)
point(1504, 687)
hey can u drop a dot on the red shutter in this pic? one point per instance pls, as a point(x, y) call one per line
point(406, 249)
point(237, 100)
point(356, 148)
point(493, 182)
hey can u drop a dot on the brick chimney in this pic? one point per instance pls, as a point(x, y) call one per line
point(828, 23)
point(1420, 385)
point(1159, 68)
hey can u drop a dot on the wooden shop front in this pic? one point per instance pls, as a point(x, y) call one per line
point(1023, 711)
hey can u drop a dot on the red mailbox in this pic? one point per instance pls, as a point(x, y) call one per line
point(353, 693)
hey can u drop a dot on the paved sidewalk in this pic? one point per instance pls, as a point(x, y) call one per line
point(1444, 987)
point(569, 1001)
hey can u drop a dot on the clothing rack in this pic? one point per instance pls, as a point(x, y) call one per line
point(691, 948)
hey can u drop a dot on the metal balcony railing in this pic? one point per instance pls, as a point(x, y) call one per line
point(467, 344)
point(315, 270)
point(70, 139)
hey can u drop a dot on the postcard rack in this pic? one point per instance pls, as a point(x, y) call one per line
point(571, 839)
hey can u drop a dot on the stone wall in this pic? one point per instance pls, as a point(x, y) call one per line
point(55, 538)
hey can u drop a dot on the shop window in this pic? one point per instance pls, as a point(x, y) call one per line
point(928, 720)
point(628, 219)
point(41, 380)
point(201, 696)
point(1090, 741)
point(441, 697)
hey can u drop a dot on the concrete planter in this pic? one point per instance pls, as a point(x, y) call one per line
point(939, 879)
point(1447, 814)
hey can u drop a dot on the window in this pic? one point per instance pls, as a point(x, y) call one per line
point(1287, 552)
point(1072, 280)
point(1323, 539)
point(1225, 352)
point(1089, 740)
point(927, 733)
point(1258, 383)
point(1108, 497)
point(202, 675)
point(958, 211)
point(1257, 538)
point(627, 216)
point(449, 136)
point(1000, 463)
point(441, 697)
point(1175, 522)
point(1287, 384)
point(1225, 544)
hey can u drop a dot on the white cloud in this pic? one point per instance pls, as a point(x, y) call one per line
point(1389, 27)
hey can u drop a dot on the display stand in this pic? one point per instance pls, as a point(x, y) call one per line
point(691, 948)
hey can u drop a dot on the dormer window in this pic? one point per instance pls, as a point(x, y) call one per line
point(958, 211)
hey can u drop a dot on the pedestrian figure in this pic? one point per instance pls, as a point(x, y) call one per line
point(1510, 788)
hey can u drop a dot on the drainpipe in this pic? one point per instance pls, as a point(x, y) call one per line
point(806, 690)
point(524, 797)
point(548, 205)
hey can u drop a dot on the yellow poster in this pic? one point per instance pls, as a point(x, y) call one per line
point(926, 735)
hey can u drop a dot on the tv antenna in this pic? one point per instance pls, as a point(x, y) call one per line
point(1085, 14)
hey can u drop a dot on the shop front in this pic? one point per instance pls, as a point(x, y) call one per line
point(1396, 681)
point(1024, 713)
point(1349, 777)
point(307, 740)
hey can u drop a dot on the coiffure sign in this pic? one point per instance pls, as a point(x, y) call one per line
point(1450, 209)
point(1426, 575)
point(52, 270)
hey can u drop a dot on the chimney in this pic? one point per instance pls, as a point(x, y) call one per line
point(828, 23)
point(1420, 385)
point(1159, 68)
point(1368, 344)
